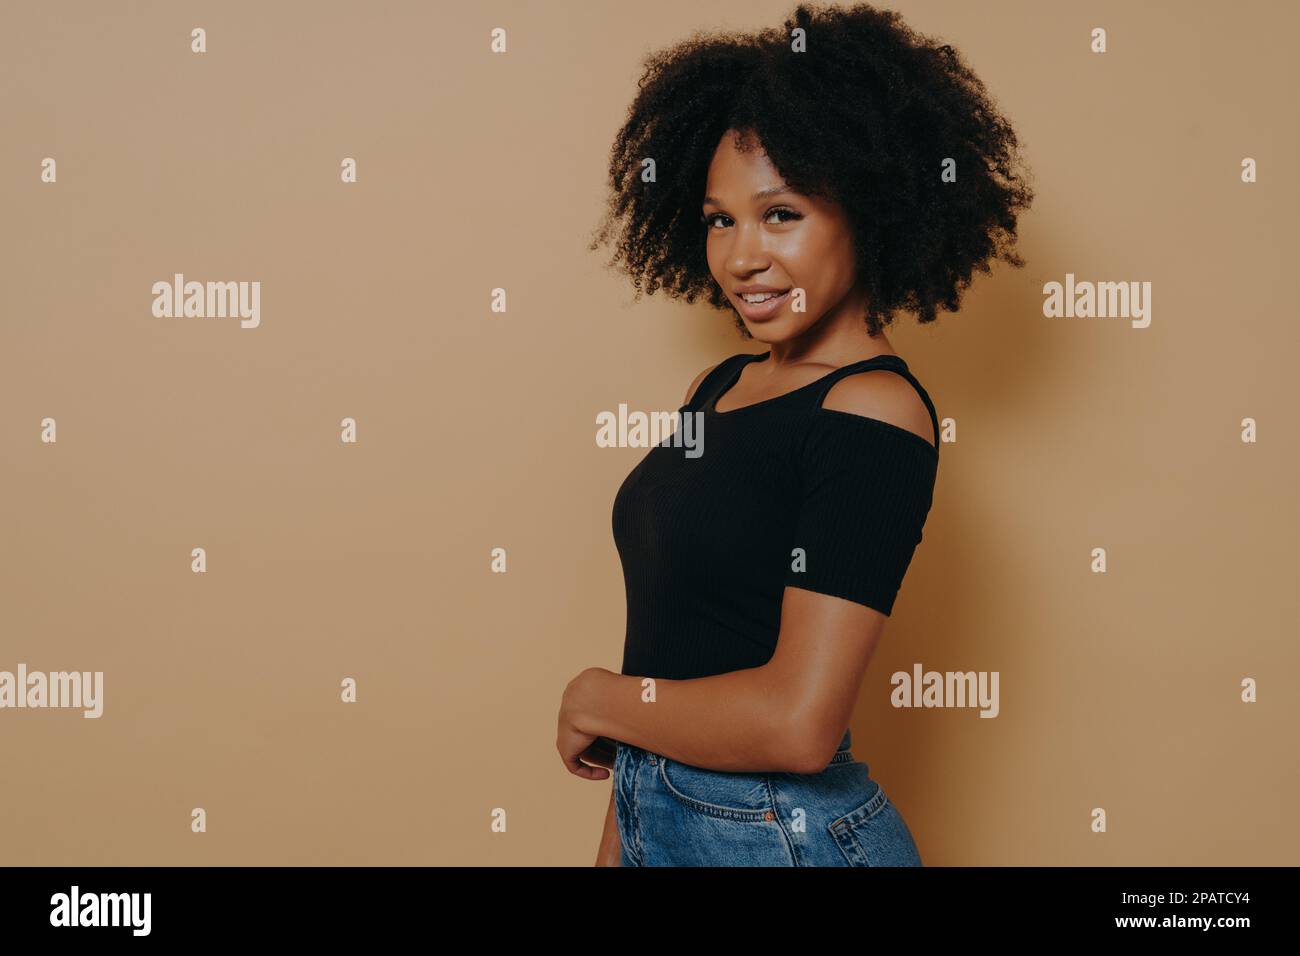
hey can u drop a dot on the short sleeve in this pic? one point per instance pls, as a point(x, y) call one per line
point(865, 491)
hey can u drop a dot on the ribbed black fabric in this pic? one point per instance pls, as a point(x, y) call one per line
point(708, 544)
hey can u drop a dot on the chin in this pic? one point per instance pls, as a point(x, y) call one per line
point(779, 328)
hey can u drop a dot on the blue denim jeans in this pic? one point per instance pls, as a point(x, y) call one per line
point(674, 814)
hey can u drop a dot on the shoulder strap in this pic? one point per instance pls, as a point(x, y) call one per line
point(890, 362)
point(718, 380)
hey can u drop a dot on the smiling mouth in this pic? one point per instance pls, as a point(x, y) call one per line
point(764, 309)
point(766, 296)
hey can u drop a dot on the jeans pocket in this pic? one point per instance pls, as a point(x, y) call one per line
point(718, 793)
point(875, 834)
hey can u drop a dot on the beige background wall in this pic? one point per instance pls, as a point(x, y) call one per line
point(476, 430)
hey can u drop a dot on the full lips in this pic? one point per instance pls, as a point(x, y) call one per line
point(764, 309)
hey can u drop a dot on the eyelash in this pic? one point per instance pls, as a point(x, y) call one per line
point(707, 220)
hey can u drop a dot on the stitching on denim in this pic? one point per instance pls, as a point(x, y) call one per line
point(639, 849)
point(844, 830)
point(790, 845)
point(863, 813)
point(855, 854)
point(713, 809)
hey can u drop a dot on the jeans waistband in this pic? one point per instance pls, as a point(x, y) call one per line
point(842, 754)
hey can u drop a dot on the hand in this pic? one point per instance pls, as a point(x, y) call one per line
point(601, 753)
point(576, 745)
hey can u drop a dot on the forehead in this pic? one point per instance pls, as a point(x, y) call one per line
point(740, 168)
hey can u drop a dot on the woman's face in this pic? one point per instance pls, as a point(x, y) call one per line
point(761, 235)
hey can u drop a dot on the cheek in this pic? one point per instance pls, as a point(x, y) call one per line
point(823, 264)
point(717, 261)
point(829, 275)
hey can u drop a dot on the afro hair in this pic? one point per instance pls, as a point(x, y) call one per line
point(858, 109)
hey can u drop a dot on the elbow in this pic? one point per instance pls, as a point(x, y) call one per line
point(806, 744)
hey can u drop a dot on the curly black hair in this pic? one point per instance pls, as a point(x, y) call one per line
point(864, 116)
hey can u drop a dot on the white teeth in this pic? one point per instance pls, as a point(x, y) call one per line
point(757, 297)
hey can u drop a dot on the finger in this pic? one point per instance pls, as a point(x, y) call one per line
point(574, 764)
point(579, 769)
point(599, 758)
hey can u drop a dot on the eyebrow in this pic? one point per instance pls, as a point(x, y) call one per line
point(761, 194)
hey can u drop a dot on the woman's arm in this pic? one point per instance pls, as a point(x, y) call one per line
point(610, 851)
point(785, 716)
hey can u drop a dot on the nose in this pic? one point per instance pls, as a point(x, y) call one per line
point(748, 253)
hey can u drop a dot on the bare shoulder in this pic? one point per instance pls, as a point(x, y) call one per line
point(690, 392)
point(885, 396)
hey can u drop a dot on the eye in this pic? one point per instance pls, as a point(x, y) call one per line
point(708, 218)
point(784, 211)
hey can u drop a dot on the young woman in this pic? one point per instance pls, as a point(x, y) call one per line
point(815, 180)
